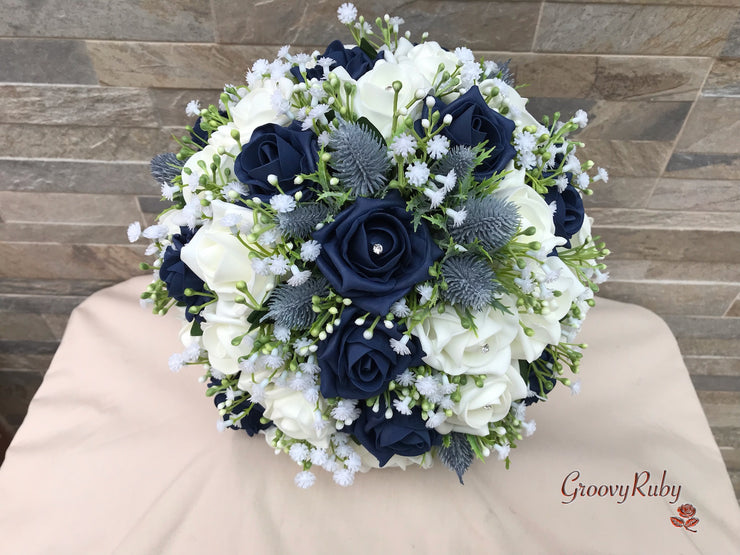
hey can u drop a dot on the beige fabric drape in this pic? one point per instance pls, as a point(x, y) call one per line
point(119, 455)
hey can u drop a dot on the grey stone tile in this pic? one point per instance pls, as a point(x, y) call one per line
point(628, 158)
point(175, 20)
point(475, 24)
point(635, 120)
point(76, 106)
point(169, 104)
point(172, 65)
point(649, 77)
point(715, 384)
point(731, 457)
point(707, 195)
point(17, 387)
point(703, 165)
point(639, 269)
point(720, 3)
point(85, 143)
point(566, 107)
point(20, 326)
point(701, 336)
point(734, 309)
point(45, 61)
point(56, 261)
point(40, 304)
point(75, 208)
point(676, 297)
point(713, 366)
point(52, 287)
point(731, 48)
point(153, 205)
point(621, 192)
point(666, 219)
point(15, 361)
point(723, 79)
point(76, 176)
point(672, 245)
point(542, 74)
point(64, 233)
point(57, 324)
point(713, 127)
point(634, 29)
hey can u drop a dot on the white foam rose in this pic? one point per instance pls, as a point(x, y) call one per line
point(221, 137)
point(479, 406)
point(508, 96)
point(219, 259)
point(532, 208)
point(226, 320)
point(455, 350)
point(257, 107)
point(396, 461)
point(374, 96)
point(546, 326)
point(426, 57)
point(294, 415)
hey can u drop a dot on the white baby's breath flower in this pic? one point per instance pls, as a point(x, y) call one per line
point(175, 362)
point(417, 173)
point(281, 333)
point(448, 181)
point(502, 451)
point(193, 108)
point(298, 452)
point(318, 456)
point(305, 479)
point(425, 292)
point(134, 232)
point(282, 203)
point(346, 13)
point(346, 411)
point(298, 277)
point(583, 180)
point(168, 191)
point(581, 118)
point(260, 266)
point(400, 346)
point(405, 378)
point(458, 216)
point(310, 250)
point(156, 232)
point(575, 387)
point(435, 196)
point(277, 264)
point(344, 477)
point(464, 54)
point(402, 405)
point(399, 309)
point(435, 419)
point(438, 146)
point(562, 182)
point(602, 175)
point(404, 145)
point(529, 427)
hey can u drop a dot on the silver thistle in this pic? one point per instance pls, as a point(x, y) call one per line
point(292, 306)
point(470, 281)
point(490, 220)
point(359, 159)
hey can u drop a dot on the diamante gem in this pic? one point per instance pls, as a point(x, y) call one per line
point(378, 248)
point(485, 348)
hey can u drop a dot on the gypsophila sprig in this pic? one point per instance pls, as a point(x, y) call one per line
point(380, 256)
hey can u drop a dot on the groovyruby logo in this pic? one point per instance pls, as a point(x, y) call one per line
point(686, 520)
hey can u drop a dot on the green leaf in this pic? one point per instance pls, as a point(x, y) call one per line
point(195, 329)
point(368, 49)
point(365, 124)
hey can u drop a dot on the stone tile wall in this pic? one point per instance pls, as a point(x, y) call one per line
point(91, 90)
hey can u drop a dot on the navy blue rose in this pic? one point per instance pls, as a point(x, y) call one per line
point(354, 60)
point(372, 254)
point(569, 213)
point(405, 435)
point(540, 383)
point(178, 277)
point(198, 134)
point(353, 367)
point(249, 423)
point(473, 123)
point(281, 151)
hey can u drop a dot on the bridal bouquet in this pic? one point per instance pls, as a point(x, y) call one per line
point(381, 257)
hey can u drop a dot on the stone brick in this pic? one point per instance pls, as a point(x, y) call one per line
point(707, 195)
point(85, 143)
point(31, 260)
point(20, 326)
point(478, 25)
point(713, 127)
point(666, 219)
point(76, 106)
point(699, 336)
point(676, 297)
point(628, 158)
point(69, 233)
point(169, 104)
point(731, 48)
point(76, 176)
point(634, 29)
point(702, 165)
point(174, 20)
point(713, 366)
point(724, 79)
point(17, 387)
point(74, 208)
point(172, 65)
point(673, 270)
point(45, 61)
point(621, 192)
